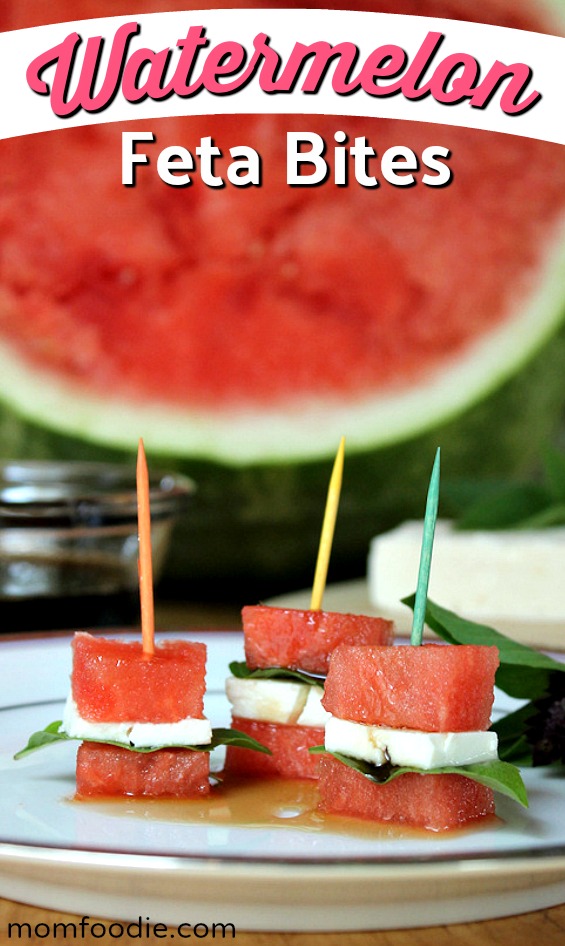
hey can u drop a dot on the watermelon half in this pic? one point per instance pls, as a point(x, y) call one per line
point(241, 332)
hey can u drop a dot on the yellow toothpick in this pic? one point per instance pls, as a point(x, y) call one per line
point(144, 563)
point(328, 527)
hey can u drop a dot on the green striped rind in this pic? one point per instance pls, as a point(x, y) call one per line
point(305, 426)
point(253, 530)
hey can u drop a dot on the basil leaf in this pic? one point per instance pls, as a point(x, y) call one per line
point(506, 508)
point(45, 737)
point(220, 737)
point(500, 776)
point(238, 668)
point(545, 725)
point(512, 731)
point(523, 672)
point(554, 469)
point(496, 504)
point(518, 752)
point(545, 518)
point(459, 493)
point(233, 737)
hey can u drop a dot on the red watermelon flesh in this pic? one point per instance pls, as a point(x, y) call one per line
point(432, 688)
point(304, 640)
point(289, 746)
point(113, 681)
point(434, 802)
point(293, 313)
point(166, 773)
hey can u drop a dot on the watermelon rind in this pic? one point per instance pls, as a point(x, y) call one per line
point(306, 427)
point(253, 530)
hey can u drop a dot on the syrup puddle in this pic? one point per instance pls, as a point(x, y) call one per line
point(266, 803)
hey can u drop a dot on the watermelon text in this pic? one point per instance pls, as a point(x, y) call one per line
point(227, 67)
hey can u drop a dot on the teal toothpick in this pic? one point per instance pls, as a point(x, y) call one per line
point(426, 555)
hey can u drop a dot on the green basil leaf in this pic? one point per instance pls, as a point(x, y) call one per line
point(518, 752)
point(233, 737)
point(544, 728)
point(500, 776)
point(238, 668)
point(512, 729)
point(220, 737)
point(506, 508)
point(554, 469)
point(499, 504)
point(551, 516)
point(523, 672)
point(459, 493)
point(45, 737)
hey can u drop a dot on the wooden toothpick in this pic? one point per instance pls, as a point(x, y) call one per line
point(328, 527)
point(144, 564)
point(426, 555)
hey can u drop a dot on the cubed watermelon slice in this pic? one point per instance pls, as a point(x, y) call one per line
point(434, 802)
point(113, 681)
point(304, 640)
point(166, 773)
point(432, 688)
point(289, 746)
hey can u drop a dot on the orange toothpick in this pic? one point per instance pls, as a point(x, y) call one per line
point(144, 563)
point(328, 527)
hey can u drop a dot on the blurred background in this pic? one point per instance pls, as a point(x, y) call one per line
point(242, 331)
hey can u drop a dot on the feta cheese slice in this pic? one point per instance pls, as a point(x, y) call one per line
point(517, 574)
point(423, 750)
point(185, 732)
point(277, 701)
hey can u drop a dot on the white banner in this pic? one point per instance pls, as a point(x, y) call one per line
point(254, 61)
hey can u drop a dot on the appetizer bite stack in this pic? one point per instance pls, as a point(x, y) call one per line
point(138, 702)
point(276, 694)
point(423, 708)
point(146, 700)
point(138, 706)
point(287, 715)
point(407, 738)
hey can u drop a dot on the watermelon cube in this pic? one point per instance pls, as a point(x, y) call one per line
point(114, 681)
point(104, 770)
point(433, 802)
point(304, 640)
point(431, 688)
point(289, 745)
point(299, 640)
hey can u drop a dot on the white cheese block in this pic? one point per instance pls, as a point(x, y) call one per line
point(185, 732)
point(506, 576)
point(277, 701)
point(422, 750)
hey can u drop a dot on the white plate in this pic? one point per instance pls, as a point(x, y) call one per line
point(85, 860)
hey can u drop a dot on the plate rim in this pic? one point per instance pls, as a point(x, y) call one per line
point(524, 879)
point(533, 859)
